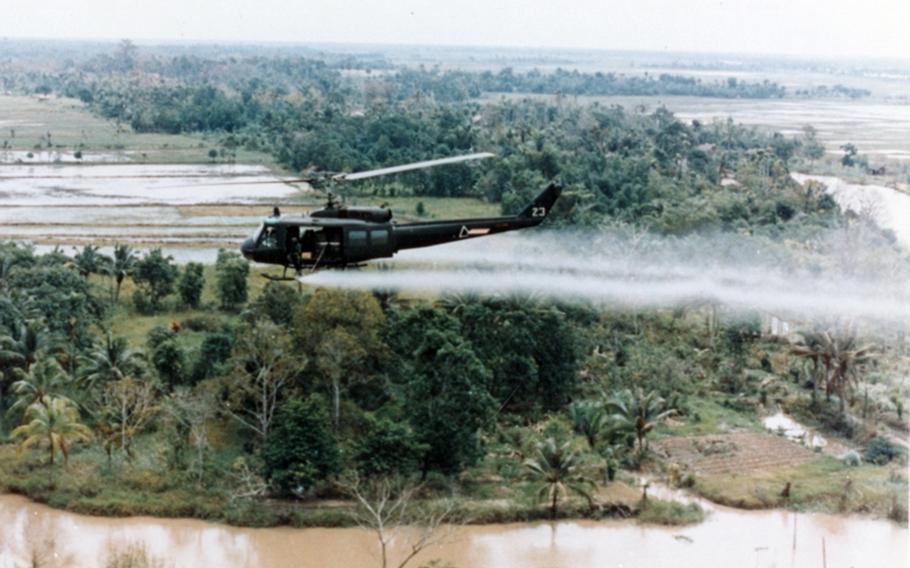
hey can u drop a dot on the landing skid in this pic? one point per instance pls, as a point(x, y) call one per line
point(303, 273)
point(272, 278)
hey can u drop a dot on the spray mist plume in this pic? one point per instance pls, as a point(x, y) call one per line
point(838, 274)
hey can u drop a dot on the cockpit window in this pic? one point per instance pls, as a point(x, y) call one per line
point(257, 233)
point(268, 237)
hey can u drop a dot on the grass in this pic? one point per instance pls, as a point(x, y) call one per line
point(88, 486)
point(826, 484)
point(671, 513)
point(708, 416)
point(126, 322)
point(72, 125)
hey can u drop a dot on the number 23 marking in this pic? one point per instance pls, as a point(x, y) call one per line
point(539, 212)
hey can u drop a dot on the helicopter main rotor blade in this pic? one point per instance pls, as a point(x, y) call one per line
point(258, 182)
point(412, 166)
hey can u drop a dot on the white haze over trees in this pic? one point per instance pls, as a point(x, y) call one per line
point(840, 274)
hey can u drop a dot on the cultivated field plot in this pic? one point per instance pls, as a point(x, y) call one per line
point(201, 206)
point(50, 129)
point(880, 129)
point(736, 452)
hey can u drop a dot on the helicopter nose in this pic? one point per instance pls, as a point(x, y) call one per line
point(247, 249)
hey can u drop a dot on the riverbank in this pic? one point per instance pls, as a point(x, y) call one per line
point(771, 537)
point(87, 488)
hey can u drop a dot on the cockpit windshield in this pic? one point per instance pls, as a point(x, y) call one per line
point(257, 233)
point(267, 236)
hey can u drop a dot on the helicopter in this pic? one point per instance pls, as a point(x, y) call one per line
point(340, 236)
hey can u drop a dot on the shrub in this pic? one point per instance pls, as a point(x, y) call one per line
point(277, 302)
point(852, 459)
point(202, 323)
point(158, 335)
point(657, 511)
point(214, 352)
point(388, 448)
point(191, 284)
point(169, 360)
point(232, 272)
point(881, 451)
point(300, 450)
point(155, 275)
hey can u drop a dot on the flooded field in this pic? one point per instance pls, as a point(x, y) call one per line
point(889, 208)
point(727, 538)
point(880, 129)
point(177, 206)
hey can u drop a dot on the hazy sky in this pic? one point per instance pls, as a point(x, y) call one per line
point(811, 27)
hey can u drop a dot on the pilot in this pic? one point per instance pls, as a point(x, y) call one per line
point(269, 240)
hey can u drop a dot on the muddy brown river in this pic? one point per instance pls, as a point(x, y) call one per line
point(728, 538)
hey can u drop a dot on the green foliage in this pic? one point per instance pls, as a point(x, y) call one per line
point(671, 513)
point(881, 451)
point(408, 328)
point(340, 332)
point(301, 450)
point(214, 354)
point(589, 420)
point(557, 468)
point(231, 273)
point(66, 301)
point(849, 158)
point(191, 283)
point(170, 361)
point(278, 302)
point(122, 265)
point(158, 335)
point(43, 380)
point(54, 421)
point(531, 351)
point(447, 402)
point(387, 448)
point(637, 412)
point(89, 261)
point(155, 275)
point(112, 360)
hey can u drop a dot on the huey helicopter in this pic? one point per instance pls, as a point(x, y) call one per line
point(338, 236)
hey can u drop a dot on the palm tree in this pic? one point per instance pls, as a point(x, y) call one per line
point(638, 412)
point(44, 379)
point(57, 422)
point(813, 346)
point(90, 261)
point(589, 420)
point(122, 266)
point(557, 467)
point(23, 347)
point(835, 358)
point(456, 303)
point(113, 360)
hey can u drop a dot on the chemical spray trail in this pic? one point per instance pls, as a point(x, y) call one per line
point(834, 276)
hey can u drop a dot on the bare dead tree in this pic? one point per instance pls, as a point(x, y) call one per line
point(191, 411)
point(265, 364)
point(248, 483)
point(127, 406)
point(388, 508)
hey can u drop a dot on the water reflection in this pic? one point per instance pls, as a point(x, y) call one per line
point(728, 538)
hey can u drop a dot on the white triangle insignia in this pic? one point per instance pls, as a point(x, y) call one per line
point(464, 232)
